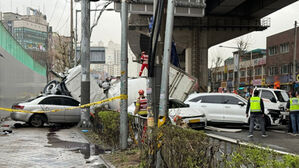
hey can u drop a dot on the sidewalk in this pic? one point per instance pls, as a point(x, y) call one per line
point(47, 147)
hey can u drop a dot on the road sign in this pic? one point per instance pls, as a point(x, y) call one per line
point(297, 77)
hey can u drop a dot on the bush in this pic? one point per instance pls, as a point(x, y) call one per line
point(257, 157)
point(109, 127)
point(183, 148)
point(108, 123)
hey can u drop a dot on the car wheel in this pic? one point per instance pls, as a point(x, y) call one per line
point(257, 126)
point(37, 120)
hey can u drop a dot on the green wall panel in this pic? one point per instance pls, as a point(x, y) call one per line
point(8, 43)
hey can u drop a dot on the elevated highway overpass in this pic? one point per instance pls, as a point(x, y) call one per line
point(223, 20)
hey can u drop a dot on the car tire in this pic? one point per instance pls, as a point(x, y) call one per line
point(257, 126)
point(37, 120)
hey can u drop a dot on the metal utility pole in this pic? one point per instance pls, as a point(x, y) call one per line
point(252, 65)
point(76, 39)
point(164, 92)
point(72, 36)
point(124, 76)
point(85, 62)
point(163, 111)
point(238, 70)
point(294, 56)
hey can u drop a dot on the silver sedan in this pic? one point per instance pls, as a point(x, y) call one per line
point(46, 103)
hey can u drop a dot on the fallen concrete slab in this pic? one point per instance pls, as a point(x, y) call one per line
point(222, 129)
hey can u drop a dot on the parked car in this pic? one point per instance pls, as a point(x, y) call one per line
point(223, 108)
point(194, 117)
point(46, 103)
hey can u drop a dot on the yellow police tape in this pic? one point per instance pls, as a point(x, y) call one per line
point(71, 108)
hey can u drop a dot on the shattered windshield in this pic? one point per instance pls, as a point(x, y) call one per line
point(282, 96)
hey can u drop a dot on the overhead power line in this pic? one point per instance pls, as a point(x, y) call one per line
point(53, 10)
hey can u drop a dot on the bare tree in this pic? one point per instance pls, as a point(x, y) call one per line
point(97, 18)
point(243, 45)
point(59, 54)
point(215, 65)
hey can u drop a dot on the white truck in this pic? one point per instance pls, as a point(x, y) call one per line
point(180, 85)
point(275, 101)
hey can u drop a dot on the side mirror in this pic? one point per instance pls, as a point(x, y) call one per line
point(273, 100)
point(241, 103)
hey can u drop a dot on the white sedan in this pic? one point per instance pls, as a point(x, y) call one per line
point(193, 117)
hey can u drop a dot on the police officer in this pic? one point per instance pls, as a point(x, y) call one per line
point(141, 104)
point(256, 106)
point(293, 106)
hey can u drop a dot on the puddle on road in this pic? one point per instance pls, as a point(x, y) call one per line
point(78, 147)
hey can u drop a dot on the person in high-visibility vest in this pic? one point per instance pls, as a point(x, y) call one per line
point(293, 106)
point(141, 104)
point(256, 107)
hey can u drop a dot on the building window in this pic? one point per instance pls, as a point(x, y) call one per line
point(242, 73)
point(285, 69)
point(249, 72)
point(258, 71)
point(219, 75)
point(273, 50)
point(284, 48)
point(224, 76)
point(230, 75)
point(273, 71)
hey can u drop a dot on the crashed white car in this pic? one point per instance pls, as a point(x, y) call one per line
point(193, 117)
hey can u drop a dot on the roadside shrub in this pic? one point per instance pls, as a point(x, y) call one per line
point(182, 148)
point(108, 127)
point(257, 157)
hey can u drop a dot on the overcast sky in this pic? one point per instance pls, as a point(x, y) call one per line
point(58, 12)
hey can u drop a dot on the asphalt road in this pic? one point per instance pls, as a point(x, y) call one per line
point(277, 138)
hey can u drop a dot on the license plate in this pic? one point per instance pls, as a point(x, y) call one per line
point(194, 121)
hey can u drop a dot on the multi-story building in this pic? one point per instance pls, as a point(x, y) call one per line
point(280, 53)
point(252, 71)
point(31, 31)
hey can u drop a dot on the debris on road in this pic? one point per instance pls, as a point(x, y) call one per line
point(223, 129)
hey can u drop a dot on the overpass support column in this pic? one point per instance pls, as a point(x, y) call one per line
point(188, 60)
point(199, 58)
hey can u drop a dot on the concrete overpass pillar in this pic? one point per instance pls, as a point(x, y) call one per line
point(188, 60)
point(199, 58)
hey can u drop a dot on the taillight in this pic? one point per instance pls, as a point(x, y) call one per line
point(18, 107)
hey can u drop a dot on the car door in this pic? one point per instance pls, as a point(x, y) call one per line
point(270, 101)
point(53, 103)
point(213, 107)
point(72, 115)
point(233, 111)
